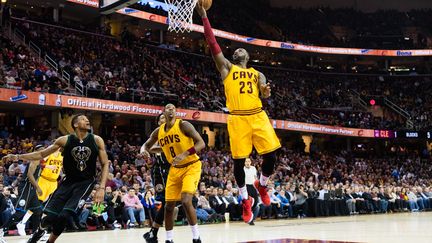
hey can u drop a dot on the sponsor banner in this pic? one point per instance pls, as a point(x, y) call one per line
point(90, 3)
point(74, 102)
point(323, 129)
point(64, 101)
point(281, 45)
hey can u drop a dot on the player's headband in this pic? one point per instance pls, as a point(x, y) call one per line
point(37, 147)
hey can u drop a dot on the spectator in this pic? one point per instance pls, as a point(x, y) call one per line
point(350, 201)
point(149, 205)
point(287, 208)
point(233, 206)
point(300, 206)
point(216, 202)
point(7, 204)
point(114, 206)
point(383, 200)
point(134, 207)
point(413, 200)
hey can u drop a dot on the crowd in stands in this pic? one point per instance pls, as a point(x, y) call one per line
point(133, 71)
point(21, 70)
point(304, 185)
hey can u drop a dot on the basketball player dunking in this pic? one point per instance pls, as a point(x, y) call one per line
point(180, 142)
point(80, 152)
point(248, 124)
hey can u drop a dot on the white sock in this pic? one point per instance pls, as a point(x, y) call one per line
point(263, 180)
point(195, 232)
point(26, 217)
point(243, 192)
point(169, 235)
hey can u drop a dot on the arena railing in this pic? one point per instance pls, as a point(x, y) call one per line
point(19, 36)
point(62, 27)
point(133, 92)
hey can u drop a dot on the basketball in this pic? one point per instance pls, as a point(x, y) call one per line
point(206, 4)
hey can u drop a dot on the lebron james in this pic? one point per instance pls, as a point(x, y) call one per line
point(248, 124)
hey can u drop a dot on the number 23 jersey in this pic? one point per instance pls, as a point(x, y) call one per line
point(242, 91)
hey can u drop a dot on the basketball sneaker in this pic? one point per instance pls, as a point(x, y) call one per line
point(2, 240)
point(196, 240)
point(247, 209)
point(265, 198)
point(36, 236)
point(150, 237)
point(21, 229)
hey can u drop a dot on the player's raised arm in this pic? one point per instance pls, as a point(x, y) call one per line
point(147, 148)
point(222, 64)
point(38, 155)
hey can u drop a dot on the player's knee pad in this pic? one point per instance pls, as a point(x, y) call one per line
point(269, 161)
point(239, 173)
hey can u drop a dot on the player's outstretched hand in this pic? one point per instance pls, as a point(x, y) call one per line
point(145, 154)
point(9, 157)
point(100, 194)
point(179, 158)
point(200, 9)
point(266, 90)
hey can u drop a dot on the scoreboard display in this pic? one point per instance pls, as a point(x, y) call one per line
point(403, 134)
point(385, 134)
point(414, 134)
point(105, 6)
point(89, 3)
point(110, 6)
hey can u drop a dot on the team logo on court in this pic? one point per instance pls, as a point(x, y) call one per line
point(81, 154)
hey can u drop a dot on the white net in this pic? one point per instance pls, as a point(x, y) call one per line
point(180, 15)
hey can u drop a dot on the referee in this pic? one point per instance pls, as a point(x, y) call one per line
point(251, 177)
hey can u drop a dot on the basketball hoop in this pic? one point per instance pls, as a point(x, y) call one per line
point(180, 13)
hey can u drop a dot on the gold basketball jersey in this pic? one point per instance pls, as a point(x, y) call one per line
point(175, 142)
point(242, 91)
point(55, 159)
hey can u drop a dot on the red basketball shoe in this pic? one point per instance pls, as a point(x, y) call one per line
point(265, 198)
point(247, 209)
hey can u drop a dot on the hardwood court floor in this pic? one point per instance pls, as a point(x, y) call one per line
point(394, 228)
